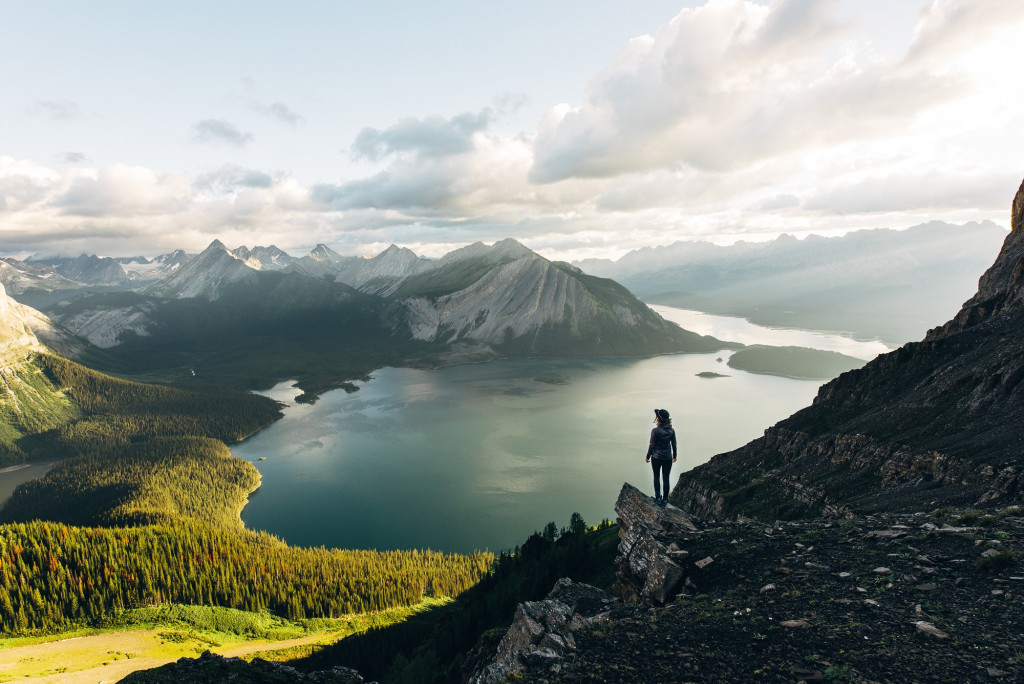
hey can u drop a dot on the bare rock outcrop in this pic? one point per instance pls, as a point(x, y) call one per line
point(543, 632)
point(649, 566)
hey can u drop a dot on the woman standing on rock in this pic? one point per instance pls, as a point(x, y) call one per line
point(662, 453)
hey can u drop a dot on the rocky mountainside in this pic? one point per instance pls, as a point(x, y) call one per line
point(888, 598)
point(382, 274)
point(322, 261)
point(475, 303)
point(16, 336)
point(207, 275)
point(516, 302)
point(934, 423)
point(29, 402)
point(264, 258)
point(21, 276)
point(885, 283)
point(90, 269)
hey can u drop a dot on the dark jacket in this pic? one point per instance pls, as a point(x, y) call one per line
point(663, 444)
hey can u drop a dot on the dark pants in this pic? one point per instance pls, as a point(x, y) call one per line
point(664, 466)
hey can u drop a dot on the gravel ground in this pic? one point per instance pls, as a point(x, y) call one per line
point(899, 598)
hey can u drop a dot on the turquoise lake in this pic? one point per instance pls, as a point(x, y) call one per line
point(479, 456)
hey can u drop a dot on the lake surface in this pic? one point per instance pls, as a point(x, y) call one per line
point(12, 476)
point(481, 455)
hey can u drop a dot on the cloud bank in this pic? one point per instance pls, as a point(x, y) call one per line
point(735, 119)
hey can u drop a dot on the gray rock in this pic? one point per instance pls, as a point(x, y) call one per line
point(543, 632)
point(927, 629)
point(646, 567)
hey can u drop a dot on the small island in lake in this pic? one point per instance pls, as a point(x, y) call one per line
point(710, 374)
point(793, 362)
point(552, 379)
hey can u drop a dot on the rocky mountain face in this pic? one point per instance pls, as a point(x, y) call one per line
point(90, 269)
point(477, 302)
point(934, 423)
point(264, 258)
point(16, 336)
point(511, 299)
point(321, 262)
point(382, 274)
point(885, 283)
point(893, 597)
point(29, 402)
point(20, 276)
point(207, 275)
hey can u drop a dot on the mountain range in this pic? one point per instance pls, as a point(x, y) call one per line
point(887, 284)
point(254, 316)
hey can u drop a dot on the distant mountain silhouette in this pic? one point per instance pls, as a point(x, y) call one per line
point(934, 423)
point(873, 283)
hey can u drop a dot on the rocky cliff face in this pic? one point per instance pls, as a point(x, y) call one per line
point(933, 423)
point(16, 336)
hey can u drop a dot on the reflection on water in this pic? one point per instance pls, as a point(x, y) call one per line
point(481, 455)
point(745, 332)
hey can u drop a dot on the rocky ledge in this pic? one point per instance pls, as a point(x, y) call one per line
point(927, 597)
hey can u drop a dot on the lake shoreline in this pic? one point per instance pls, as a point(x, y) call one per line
point(9, 481)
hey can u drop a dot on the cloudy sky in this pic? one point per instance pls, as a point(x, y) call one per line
point(581, 128)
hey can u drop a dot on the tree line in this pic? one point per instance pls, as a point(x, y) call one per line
point(55, 576)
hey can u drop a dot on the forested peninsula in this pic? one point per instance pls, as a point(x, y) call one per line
point(143, 510)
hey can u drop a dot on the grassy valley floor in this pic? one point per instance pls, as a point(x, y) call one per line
point(108, 655)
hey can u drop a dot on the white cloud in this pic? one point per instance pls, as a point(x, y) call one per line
point(280, 112)
point(433, 136)
point(727, 85)
point(124, 191)
point(219, 130)
point(932, 192)
point(951, 26)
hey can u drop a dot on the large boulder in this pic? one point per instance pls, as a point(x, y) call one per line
point(649, 564)
point(543, 632)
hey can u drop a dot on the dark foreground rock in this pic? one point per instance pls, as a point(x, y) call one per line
point(908, 597)
point(210, 668)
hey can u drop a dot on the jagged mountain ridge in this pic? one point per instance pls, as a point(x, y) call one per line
point(207, 275)
point(19, 276)
point(933, 423)
point(488, 296)
point(478, 303)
